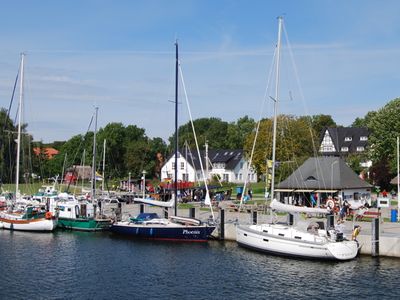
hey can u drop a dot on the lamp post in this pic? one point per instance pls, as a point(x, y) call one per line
point(144, 183)
point(129, 183)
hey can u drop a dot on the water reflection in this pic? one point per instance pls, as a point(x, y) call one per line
point(79, 265)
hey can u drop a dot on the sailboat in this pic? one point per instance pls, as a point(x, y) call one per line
point(82, 215)
point(311, 242)
point(23, 214)
point(175, 228)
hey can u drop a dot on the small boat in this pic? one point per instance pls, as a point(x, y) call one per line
point(151, 226)
point(32, 218)
point(75, 215)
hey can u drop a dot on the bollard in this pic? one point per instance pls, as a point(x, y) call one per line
point(290, 219)
point(166, 213)
point(254, 217)
point(375, 237)
point(192, 212)
point(330, 221)
point(141, 208)
point(222, 224)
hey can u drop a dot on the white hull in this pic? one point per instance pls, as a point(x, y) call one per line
point(40, 224)
point(288, 241)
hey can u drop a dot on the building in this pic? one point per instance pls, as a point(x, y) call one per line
point(228, 165)
point(320, 177)
point(341, 141)
point(48, 151)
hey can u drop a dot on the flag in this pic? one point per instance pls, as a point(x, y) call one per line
point(98, 177)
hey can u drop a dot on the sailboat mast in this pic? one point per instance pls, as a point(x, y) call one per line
point(278, 50)
point(104, 164)
point(21, 97)
point(398, 180)
point(176, 129)
point(94, 157)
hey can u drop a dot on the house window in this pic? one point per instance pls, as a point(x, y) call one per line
point(173, 166)
point(185, 177)
point(360, 148)
point(348, 139)
point(240, 176)
point(236, 176)
point(226, 177)
point(241, 165)
point(363, 138)
point(345, 149)
point(182, 165)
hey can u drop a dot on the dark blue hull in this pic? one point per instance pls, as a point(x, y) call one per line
point(178, 233)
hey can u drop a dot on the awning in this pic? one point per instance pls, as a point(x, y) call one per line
point(304, 191)
point(284, 190)
point(325, 191)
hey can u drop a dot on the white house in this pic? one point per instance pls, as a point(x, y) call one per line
point(228, 165)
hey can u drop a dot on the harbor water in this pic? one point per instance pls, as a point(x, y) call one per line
point(80, 265)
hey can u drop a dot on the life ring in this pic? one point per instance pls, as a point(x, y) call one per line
point(48, 215)
point(331, 204)
point(356, 232)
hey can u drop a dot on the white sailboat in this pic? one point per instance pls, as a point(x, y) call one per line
point(26, 217)
point(312, 242)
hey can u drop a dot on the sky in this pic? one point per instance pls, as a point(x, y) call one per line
point(340, 58)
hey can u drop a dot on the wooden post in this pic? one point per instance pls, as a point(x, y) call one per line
point(166, 213)
point(192, 212)
point(375, 237)
point(290, 219)
point(254, 213)
point(330, 221)
point(141, 208)
point(222, 224)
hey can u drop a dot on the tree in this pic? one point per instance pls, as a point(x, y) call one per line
point(294, 143)
point(385, 127)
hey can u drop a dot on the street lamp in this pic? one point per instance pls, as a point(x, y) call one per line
point(144, 183)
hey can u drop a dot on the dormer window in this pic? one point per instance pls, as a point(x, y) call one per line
point(348, 139)
point(345, 149)
point(360, 148)
point(363, 138)
point(311, 178)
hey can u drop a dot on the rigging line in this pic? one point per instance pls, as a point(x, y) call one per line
point(12, 98)
point(195, 139)
point(299, 85)
point(258, 124)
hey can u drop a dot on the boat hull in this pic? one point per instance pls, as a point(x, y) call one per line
point(84, 224)
point(199, 233)
point(284, 246)
point(40, 224)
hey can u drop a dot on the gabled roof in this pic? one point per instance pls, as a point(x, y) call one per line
point(338, 135)
point(227, 156)
point(323, 173)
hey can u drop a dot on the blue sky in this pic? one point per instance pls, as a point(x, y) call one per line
point(119, 55)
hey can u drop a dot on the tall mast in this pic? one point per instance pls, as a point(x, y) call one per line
point(398, 180)
point(94, 156)
point(21, 97)
point(278, 49)
point(104, 164)
point(176, 129)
